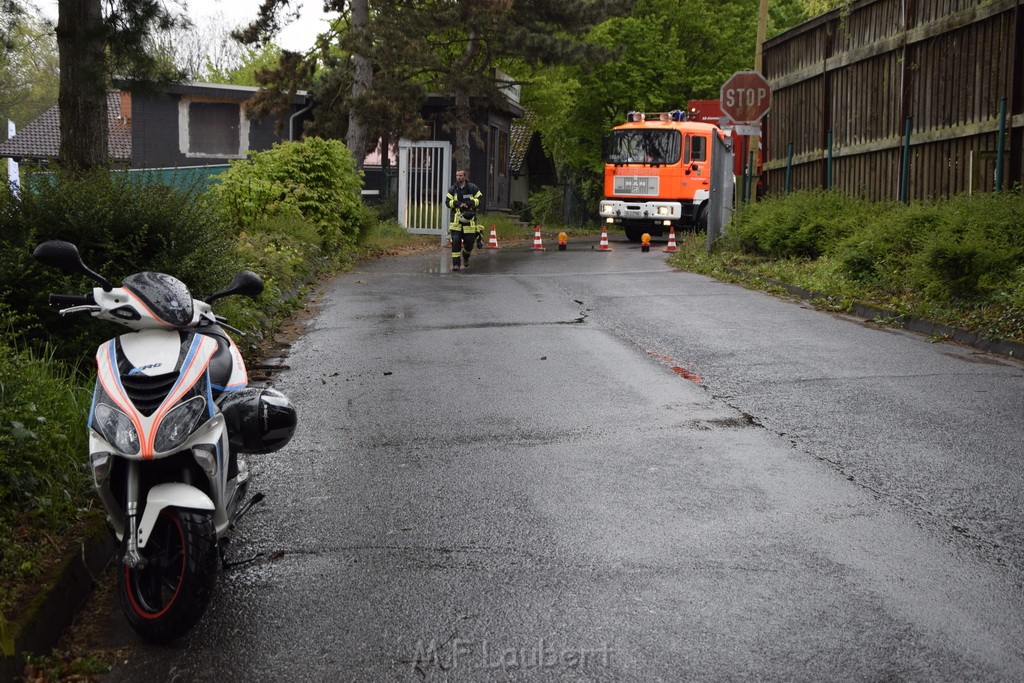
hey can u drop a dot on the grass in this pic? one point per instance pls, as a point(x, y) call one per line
point(44, 486)
point(958, 263)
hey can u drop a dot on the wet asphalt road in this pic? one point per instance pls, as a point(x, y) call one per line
point(579, 465)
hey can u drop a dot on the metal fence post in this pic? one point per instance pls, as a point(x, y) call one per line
point(789, 165)
point(1001, 145)
point(905, 165)
point(828, 163)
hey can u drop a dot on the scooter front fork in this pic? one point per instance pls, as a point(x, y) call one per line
point(132, 558)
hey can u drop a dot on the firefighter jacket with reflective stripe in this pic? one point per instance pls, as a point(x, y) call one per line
point(468, 193)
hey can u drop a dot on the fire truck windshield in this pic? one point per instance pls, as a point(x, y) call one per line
point(642, 147)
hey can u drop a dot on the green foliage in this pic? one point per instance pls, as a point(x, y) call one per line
point(801, 225)
point(42, 441)
point(958, 262)
point(29, 73)
point(44, 411)
point(315, 180)
point(251, 63)
point(121, 225)
point(665, 53)
point(545, 205)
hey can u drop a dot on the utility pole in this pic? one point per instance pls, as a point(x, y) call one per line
point(762, 32)
point(754, 142)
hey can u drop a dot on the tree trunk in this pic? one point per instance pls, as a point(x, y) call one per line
point(463, 123)
point(463, 113)
point(361, 81)
point(83, 96)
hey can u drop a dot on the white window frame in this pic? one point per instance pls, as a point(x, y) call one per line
point(183, 126)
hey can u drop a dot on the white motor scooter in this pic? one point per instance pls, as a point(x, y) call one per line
point(171, 411)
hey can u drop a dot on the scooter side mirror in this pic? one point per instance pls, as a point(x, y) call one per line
point(65, 256)
point(246, 283)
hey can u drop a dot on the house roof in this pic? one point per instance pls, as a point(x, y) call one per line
point(238, 92)
point(520, 133)
point(41, 138)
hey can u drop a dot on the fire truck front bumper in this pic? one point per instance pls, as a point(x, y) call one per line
point(618, 211)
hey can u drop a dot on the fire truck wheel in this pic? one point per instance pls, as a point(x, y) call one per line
point(702, 218)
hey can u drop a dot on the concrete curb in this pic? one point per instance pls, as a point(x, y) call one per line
point(1000, 347)
point(38, 629)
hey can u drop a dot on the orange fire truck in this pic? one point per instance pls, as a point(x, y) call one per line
point(657, 173)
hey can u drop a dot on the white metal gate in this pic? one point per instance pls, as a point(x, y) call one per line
point(424, 174)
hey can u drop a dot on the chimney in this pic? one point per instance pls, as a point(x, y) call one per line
point(126, 107)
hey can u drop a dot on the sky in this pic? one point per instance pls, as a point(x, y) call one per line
point(298, 36)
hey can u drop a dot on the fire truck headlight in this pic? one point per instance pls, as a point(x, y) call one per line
point(610, 219)
point(663, 211)
point(606, 208)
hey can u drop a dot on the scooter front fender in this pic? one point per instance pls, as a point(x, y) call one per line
point(174, 494)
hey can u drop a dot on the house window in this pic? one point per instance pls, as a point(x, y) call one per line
point(210, 128)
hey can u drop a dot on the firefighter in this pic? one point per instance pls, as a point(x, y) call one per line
point(463, 200)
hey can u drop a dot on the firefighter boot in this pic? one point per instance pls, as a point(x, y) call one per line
point(456, 263)
point(465, 259)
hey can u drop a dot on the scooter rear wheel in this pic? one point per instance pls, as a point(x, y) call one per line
point(166, 597)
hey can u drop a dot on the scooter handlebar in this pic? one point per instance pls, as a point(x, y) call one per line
point(72, 299)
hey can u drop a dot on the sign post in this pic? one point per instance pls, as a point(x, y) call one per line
point(745, 98)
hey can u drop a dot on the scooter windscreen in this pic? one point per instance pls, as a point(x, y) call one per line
point(166, 297)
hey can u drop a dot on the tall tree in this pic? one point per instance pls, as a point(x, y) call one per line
point(83, 71)
point(671, 52)
point(93, 45)
point(362, 79)
point(444, 46)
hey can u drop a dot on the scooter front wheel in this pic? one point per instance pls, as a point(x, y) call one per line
point(165, 598)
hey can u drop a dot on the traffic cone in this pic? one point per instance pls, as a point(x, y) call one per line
point(537, 244)
point(493, 242)
point(604, 240)
point(671, 240)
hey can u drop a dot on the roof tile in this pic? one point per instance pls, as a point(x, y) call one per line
point(41, 138)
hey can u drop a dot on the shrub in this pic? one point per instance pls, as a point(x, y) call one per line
point(121, 225)
point(314, 179)
point(959, 261)
point(975, 249)
point(800, 225)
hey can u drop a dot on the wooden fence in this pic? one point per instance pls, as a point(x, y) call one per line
point(849, 86)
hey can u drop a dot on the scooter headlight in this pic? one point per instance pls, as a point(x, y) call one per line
point(179, 424)
point(117, 428)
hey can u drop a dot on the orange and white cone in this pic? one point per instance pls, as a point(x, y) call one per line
point(493, 242)
point(671, 240)
point(537, 244)
point(604, 240)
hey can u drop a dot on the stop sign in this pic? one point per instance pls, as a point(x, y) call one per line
point(746, 97)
